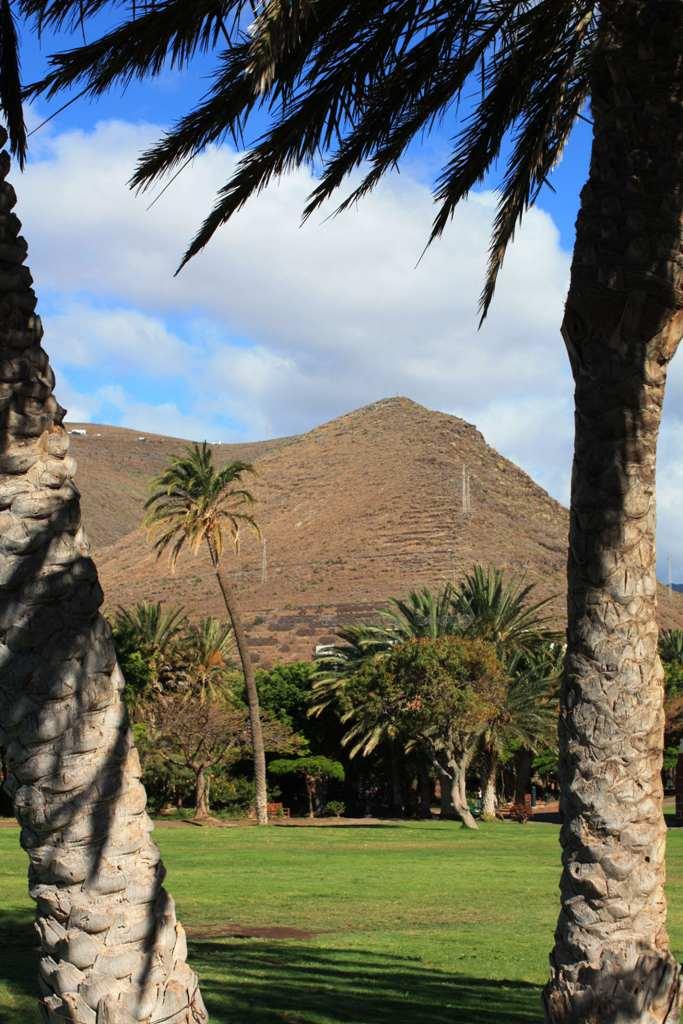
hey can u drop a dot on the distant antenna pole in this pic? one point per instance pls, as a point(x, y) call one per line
point(466, 503)
point(264, 561)
point(671, 586)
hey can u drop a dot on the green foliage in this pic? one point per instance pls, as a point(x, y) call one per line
point(546, 762)
point(284, 690)
point(673, 678)
point(313, 767)
point(493, 609)
point(334, 809)
point(145, 637)
point(671, 646)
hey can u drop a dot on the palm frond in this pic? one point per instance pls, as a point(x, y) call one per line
point(349, 85)
point(10, 82)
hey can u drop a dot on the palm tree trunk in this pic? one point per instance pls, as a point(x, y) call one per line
point(396, 769)
point(622, 325)
point(310, 795)
point(201, 794)
point(522, 775)
point(232, 608)
point(490, 799)
point(110, 947)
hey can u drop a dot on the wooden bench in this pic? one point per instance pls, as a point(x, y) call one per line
point(275, 810)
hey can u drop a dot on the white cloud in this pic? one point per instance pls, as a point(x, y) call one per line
point(279, 327)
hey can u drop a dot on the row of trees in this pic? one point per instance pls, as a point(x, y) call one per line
point(461, 680)
point(457, 686)
point(443, 685)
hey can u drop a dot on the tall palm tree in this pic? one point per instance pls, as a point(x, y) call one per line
point(353, 84)
point(110, 946)
point(192, 503)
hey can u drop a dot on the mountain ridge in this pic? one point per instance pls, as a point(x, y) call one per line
point(373, 503)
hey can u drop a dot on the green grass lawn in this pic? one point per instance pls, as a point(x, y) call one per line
point(408, 922)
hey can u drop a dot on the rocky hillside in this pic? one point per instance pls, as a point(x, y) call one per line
point(361, 508)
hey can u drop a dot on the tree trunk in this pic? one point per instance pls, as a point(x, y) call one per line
point(453, 774)
point(310, 795)
point(201, 794)
point(522, 775)
point(490, 801)
point(424, 792)
point(110, 947)
point(232, 608)
point(396, 766)
point(445, 794)
point(622, 324)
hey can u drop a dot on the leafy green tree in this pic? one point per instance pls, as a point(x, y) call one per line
point(436, 695)
point(313, 770)
point(350, 85)
point(192, 503)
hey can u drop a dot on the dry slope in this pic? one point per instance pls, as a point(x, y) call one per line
point(358, 509)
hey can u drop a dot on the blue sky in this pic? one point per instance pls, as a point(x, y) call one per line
point(276, 328)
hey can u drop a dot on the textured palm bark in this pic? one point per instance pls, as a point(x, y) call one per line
point(611, 963)
point(232, 608)
point(111, 950)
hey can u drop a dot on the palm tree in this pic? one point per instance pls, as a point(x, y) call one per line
point(208, 647)
point(527, 718)
point(671, 645)
point(110, 945)
point(354, 84)
point(154, 627)
point(151, 629)
point(192, 503)
point(493, 609)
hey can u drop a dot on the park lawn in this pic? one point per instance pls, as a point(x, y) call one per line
point(405, 922)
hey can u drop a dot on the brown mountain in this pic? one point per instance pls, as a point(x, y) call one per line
point(364, 507)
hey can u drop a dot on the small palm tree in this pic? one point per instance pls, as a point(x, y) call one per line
point(527, 718)
point(671, 645)
point(208, 646)
point(192, 503)
point(154, 627)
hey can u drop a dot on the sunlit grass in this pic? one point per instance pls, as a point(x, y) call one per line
point(406, 922)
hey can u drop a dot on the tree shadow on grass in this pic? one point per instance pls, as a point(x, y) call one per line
point(293, 983)
point(18, 965)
